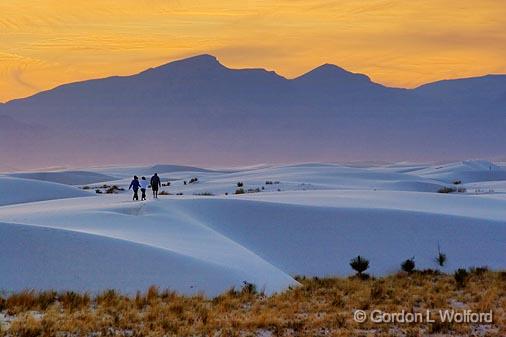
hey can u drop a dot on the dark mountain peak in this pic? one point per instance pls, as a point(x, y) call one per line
point(203, 59)
point(330, 73)
point(331, 68)
point(200, 62)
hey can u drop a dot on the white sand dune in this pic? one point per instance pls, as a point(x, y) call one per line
point(16, 190)
point(129, 171)
point(321, 217)
point(468, 171)
point(48, 258)
point(66, 177)
point(151, 225)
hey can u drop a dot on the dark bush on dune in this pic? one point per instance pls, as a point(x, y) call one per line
point(204, 194)
point(446, 190)
point(239, 191)
point(461, 275)
point(409, 265)
point(440, 258)
point(360, 264)
point(240, 184)
point(114, 189)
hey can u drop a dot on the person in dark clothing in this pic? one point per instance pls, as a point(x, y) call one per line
point(155, 184)
point(135, 186)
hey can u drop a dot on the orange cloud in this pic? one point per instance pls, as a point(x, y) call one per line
point(398, 43)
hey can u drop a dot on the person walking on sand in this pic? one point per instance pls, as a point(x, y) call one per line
point(135, 186)
point(155, 184)
point(144, 186)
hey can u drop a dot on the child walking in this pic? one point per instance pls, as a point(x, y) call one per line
point(144, 186)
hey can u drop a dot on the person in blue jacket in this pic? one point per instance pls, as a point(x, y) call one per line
point(135, 186)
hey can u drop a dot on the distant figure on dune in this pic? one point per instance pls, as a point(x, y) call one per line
point(144, 186)
point(135, 186)
point(155, 184)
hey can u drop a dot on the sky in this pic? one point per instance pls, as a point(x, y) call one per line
point(44, 43)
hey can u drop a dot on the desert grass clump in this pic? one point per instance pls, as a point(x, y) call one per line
point(317, 306)
point(71, 300)
point(249, 288)
point(240, 191)
point(28, 300)
point(460, 275)
point(26, 326)
point(108, 298)
point(478, 271)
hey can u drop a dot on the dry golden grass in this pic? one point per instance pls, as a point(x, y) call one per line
point(319, 307)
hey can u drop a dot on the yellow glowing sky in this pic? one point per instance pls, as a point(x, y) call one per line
point(44, 43)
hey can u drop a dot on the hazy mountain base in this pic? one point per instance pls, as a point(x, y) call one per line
point(197, 110)
point(319, 307)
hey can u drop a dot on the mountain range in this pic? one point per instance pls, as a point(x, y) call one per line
point(197, 111)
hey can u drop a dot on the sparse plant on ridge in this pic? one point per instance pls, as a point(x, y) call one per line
point(446, 189)
point(408, 265)
point(441, 257)
point(359, 264)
